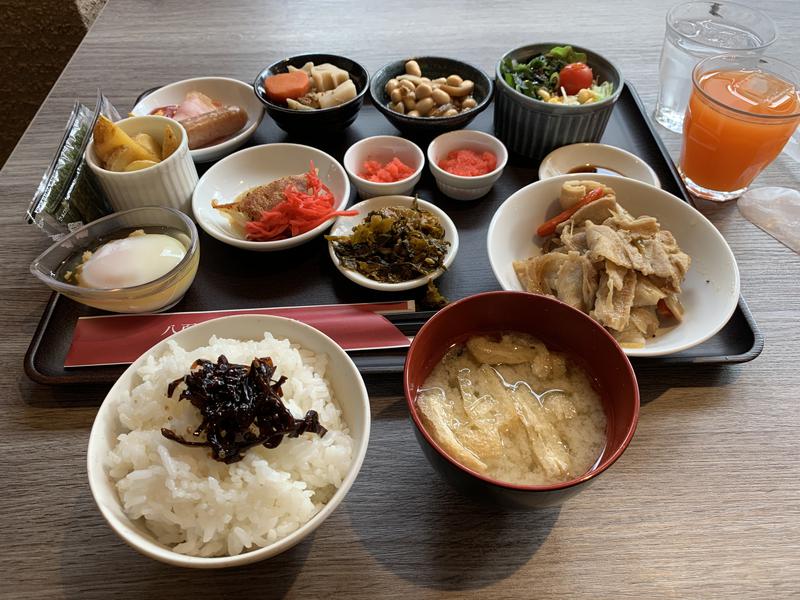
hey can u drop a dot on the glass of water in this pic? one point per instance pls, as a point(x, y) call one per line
point(696, 30)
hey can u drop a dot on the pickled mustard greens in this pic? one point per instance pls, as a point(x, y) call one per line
point(241, 407)
point(432, 299)
point(509, 408)
point(393, 244)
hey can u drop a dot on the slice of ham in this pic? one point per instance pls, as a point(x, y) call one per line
point(195, 103)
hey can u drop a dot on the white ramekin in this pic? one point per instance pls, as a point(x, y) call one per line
point(460, 187)
point(383, 148)
point(169, 183)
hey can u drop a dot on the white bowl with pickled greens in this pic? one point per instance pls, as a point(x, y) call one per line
point(393, 243)
point(550, 95)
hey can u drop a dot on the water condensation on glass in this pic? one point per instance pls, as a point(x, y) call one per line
point(690, 39)
point(717, 34)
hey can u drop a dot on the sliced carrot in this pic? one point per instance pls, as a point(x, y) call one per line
point(549, 227)
point(287, 85)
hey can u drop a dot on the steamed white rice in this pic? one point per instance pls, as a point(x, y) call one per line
point(203, 507)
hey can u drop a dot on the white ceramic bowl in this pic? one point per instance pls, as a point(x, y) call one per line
point(225, 90)
point(349, 391)
point(562, 160)
point(256, 166)
point(459, 187)
point(345, 225)
point(711, 288)
point(169, 183)
point(383, 148)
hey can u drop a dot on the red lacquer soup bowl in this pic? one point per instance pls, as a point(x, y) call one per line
point(561, 328)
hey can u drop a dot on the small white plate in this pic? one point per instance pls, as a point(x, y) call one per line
point(562, 160)
point(348, 389)
point(257, 166)
point(345, 225)
point(225, 90)
point(711, 288)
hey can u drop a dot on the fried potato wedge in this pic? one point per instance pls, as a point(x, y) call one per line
point(170, 142)
point(138, 165)
point(147, 142)
point(114, 146)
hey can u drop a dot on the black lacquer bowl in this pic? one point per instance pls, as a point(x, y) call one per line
point(432, 67)
point(314, 122)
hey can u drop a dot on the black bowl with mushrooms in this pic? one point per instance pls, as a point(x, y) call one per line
point(447, 94)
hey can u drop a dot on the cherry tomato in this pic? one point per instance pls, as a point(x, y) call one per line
point(575, 77)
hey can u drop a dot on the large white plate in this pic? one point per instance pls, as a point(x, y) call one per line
point(711, 288)
point(348, 389)
point(256, 166)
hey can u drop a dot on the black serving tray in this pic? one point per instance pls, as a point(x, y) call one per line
point(229, 278)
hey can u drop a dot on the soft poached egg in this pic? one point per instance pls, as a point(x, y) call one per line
point(139, 258)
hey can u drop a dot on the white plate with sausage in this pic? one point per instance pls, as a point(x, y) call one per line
point(219, 114)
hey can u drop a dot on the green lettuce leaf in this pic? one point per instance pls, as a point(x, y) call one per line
point(568, 54)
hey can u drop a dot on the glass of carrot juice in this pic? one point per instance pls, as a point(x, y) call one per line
point(742, 110)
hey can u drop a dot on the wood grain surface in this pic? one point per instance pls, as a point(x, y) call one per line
point(705, 503)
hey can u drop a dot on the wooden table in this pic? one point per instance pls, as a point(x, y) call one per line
point(704, 503)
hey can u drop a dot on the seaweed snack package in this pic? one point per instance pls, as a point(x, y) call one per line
point(68, 197)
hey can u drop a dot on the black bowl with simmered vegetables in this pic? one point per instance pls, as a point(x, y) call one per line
point(321, 120)
point(532, 125)
point(431, 67)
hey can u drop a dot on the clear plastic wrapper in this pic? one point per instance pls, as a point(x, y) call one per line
point(68, 197)
point(776, 210)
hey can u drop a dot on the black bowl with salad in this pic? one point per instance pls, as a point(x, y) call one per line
point(549, 95)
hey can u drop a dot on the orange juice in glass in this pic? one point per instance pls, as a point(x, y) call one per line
point(742, 111)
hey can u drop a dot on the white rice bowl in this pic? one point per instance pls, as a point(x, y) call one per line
point(202, 507)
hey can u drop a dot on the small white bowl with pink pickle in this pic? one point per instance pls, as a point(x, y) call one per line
point(465, 187)
point(383, 149)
